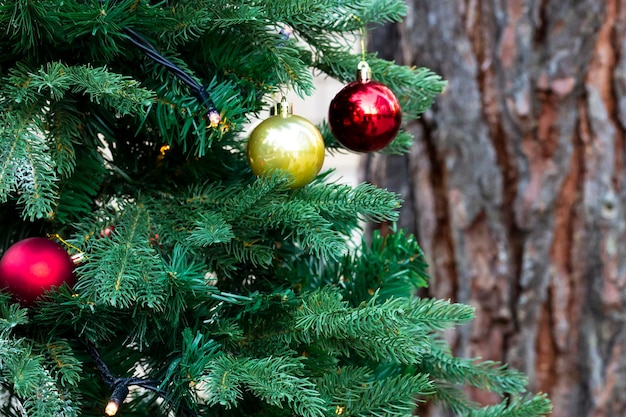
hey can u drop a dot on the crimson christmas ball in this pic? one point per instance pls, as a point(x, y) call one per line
point(107, 231)
point(365, 115)
point(32, 266)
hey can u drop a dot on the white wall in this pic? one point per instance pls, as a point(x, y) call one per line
point(315, 109)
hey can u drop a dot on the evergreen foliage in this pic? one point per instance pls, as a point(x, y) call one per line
point(217, 293)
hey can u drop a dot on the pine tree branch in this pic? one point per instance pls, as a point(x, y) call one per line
point(273, 379)
point(25, 373)
point(528, 406)
point(487, 375)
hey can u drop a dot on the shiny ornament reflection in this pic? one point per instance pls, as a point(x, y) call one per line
point(34, 265)
point(288, 143)
point(365, 115)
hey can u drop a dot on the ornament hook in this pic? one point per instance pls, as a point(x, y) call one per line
point(78, 256)
point(364, 72)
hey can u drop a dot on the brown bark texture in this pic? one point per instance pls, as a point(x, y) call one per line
point(515, 186)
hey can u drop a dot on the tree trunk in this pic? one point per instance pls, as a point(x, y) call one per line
point(515, 186)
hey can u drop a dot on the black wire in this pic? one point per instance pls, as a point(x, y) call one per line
point(153, 54)
point(147, 48)
point(150, 51)
point(105, 373)
point(119, 386)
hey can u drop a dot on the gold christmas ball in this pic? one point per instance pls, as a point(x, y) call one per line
point(289, 143)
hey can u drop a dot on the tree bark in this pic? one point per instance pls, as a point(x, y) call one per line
point(515, 185)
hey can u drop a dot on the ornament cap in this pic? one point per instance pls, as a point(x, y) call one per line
point(282, 108)
point(364, 72)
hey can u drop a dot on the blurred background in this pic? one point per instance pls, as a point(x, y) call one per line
point(515, 185)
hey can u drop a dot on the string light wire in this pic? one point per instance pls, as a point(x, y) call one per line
point(120, 386)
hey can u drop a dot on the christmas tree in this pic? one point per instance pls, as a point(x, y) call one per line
point(201, 283)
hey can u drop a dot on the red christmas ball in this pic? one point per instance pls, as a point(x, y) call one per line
point(32, 266)
point(106, 232)
point(365, 115)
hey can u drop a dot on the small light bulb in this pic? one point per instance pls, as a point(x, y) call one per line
point(163, 149)
point(111, 408)
point(119, 395)
point(214, 118)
